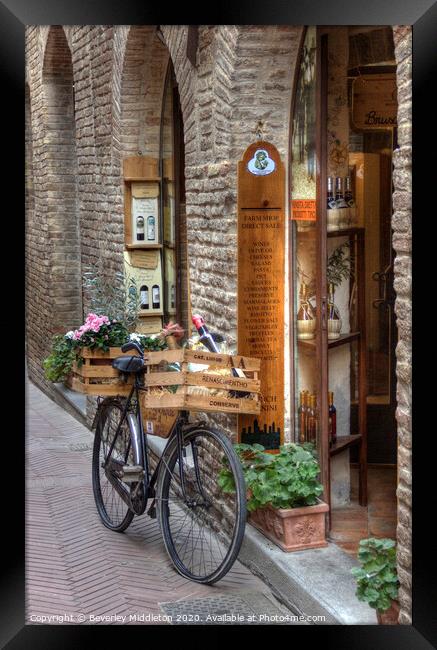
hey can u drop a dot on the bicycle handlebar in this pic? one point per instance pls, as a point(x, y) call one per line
point(132, 345)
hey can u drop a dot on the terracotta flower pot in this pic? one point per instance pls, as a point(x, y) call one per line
point(389, 616)
point(292, 529)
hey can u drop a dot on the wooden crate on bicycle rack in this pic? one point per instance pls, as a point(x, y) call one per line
point(97, 376)
point(201, 390)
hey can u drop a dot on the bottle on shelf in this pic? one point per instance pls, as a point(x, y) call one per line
point(156, 299)
point(332, 419)
point(151, 232)
point(339, 196)
point(312, 426)
point(332, 214)
point(140, 227)
point(334, 320)
point(207, 340)
point(144, 297)
point(349, 198)
point(302, 411)
point(331, 203)
point(172, 296)
point(306, 319)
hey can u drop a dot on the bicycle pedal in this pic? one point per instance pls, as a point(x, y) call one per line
point(132, 473)
point(152, 512)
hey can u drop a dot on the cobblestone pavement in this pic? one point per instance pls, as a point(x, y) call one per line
point(77, 570)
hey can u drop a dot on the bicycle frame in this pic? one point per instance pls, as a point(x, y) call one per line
point(139, 441)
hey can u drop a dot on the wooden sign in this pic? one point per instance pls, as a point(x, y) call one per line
point(261, 241)
point(374, 103)
point(303, 210)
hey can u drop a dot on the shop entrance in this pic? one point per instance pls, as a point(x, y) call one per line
point(371, 156)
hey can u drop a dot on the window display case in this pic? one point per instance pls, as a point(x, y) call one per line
point(327, 285)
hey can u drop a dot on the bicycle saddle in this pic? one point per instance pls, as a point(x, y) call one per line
point(128, 364)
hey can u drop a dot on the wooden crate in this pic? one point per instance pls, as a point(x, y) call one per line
point(97, 376)
point(157, 379)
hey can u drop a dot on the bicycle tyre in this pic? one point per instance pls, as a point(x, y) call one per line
point(110, 410)
point(164, 510)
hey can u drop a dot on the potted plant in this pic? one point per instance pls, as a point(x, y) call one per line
point(377, 580)
point(283, 494)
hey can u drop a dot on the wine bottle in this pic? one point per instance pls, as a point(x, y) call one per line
point(331, 203)
point(305, 319)
point(348, 196)
point(156, 301)
point(312, 419)
point(144, 297)
point(332, 419)
point(172, 296)
point(339, 198)
point(207, 340)
point(140, 227)
point(151, 228)
point(302, 413)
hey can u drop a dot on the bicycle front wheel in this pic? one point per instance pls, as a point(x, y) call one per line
point(202, 526)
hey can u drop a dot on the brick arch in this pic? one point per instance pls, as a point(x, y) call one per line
point(60, 171)
point(142, 76)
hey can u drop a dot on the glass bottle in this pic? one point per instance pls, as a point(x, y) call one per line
point(312, 426)
point(302, 413)
point(332, 419)
point(306, 319)
point(334, 320)
point(140, 227)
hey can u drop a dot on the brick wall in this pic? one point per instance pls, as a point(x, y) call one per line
point(401, 222)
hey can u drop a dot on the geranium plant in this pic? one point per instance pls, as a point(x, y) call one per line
point(377, 580)
point(288, 479)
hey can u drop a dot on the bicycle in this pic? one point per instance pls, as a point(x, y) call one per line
point(202, 527)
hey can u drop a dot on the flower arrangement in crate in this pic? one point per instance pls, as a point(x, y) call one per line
point(114, 301)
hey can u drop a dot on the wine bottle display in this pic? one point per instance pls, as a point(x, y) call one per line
point(151, 228)
point(144, 297)
point(156, 299)
point(140, 228)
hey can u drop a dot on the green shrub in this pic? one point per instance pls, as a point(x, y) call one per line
point(377, 581)
point(288, 479)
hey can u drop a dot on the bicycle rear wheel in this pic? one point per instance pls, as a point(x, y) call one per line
point(113, 510)
point(203, 526)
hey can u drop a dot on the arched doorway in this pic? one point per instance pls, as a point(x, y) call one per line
point(151, 128)
point(60, 172)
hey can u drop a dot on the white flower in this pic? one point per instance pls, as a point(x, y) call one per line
point(135, 337)
point(69, 335)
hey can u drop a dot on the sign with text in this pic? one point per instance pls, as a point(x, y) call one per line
point(374, 104)
point(261, 242)
point(303, 210)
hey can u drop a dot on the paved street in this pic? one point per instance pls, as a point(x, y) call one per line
point(75, 567)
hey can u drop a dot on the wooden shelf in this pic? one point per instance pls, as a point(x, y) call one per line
point(147, 313)
point(143, 246)
point(343, 442)
point(344, 232)
point(333, 343)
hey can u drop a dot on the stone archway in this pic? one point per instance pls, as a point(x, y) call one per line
point(60, 170)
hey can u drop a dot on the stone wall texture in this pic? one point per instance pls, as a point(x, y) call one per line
point(402, 227)
point(93, 97)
